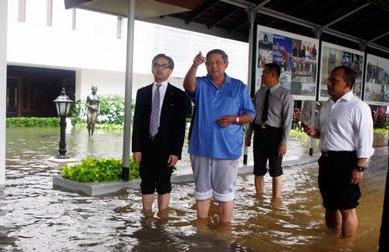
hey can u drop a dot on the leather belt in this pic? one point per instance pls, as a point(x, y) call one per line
point(260, 126)
point(329, 153)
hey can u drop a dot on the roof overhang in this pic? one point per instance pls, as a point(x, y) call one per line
point(358, 24)
point(143, 9)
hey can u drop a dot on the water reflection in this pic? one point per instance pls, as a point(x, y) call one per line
point(34, 217)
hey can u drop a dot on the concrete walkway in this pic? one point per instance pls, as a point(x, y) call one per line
point(248, 169)
point(96, 189)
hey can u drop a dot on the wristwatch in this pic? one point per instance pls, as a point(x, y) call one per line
point(360, 168)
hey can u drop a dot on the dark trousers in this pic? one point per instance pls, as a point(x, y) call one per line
point(384, 235)
point(154, 171)
point(266, 142)
point(337, 191)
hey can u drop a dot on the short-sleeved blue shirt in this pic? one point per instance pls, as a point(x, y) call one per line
point(207, 138)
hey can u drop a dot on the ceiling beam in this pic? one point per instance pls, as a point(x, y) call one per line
point(315, 27)
point(287, 18)
point(196, 27)
point(234, 29)
point(378, 47)
point(219, 21)
point(245, 5)
point(261, 5)
point(73, 3)
point(240, 3)
point(343, 17)
point(355, 39)
point(200, 11)
point(343, 35)
point(378, 37)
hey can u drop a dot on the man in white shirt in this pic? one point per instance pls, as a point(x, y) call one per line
point(345, 128)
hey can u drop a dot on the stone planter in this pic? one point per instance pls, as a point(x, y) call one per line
point(93, 188)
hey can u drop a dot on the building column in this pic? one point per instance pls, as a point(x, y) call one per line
point(128, 88)
point(3, 86)
point(78, 85)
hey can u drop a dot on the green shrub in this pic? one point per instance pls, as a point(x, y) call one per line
point(297, 133)
point(75, 108)
point(32, 122)
point(98, 170)
point(381, 131)
point(111, 110)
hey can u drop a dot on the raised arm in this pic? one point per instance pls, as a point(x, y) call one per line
point(190, 77)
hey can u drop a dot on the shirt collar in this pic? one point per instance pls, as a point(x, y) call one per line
point(163, 84)
point(274, 88)
point(226, 80)
point(347, 96)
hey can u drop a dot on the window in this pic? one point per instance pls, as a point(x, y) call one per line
point(119, 27)
point(74, 19)
point(49, 14)
point(22, 11)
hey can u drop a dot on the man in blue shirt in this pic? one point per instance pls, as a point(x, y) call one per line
point(222, 105)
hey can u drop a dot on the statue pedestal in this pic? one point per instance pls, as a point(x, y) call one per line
point(63, 160)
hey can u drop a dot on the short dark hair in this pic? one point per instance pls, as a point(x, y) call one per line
point(349, 75)
point(273, 67)
point(217, 51)
point(164, 56)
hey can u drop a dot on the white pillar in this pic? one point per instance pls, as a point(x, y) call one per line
point(128, 88)
point(78, 94)
point(3, 85)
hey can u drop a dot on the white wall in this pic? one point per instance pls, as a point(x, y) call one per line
point(107, 82)
point(3, 85)
point(112, 83)
point(94, 43)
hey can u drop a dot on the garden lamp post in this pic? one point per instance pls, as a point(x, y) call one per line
point(62, 104)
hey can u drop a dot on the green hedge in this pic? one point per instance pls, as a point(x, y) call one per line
point(32, 122)
point(299, 133)
point(103, 126)
point(98, 170)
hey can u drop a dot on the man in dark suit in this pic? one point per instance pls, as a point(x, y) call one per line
point(158, 134)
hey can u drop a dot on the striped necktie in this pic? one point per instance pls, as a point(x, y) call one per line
point(154, 117)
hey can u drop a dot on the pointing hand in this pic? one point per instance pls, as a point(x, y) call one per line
point(199, 59)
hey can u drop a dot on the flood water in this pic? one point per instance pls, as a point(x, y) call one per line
point(34, 217)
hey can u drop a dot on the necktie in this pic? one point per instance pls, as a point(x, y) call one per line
point(265, 107)
point(154, 117)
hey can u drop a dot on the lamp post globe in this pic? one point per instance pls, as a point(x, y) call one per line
point(62, 104)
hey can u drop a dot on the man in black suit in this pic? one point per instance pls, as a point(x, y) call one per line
point(158, 134)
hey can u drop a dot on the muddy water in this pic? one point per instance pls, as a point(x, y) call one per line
point(34, 217)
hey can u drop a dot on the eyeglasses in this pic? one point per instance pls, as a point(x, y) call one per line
point(158, 66)
point(211, 63)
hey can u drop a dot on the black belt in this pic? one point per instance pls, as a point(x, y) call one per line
point(334, 153)
point(263, 127)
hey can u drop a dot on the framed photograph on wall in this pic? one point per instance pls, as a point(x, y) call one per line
point(296, 55)
point(333, 55)
point(376, 80)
